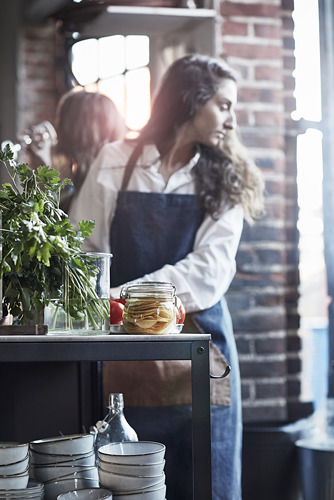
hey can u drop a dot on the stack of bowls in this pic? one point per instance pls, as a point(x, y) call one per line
point(87, 494)
point(14, 466)
point(64, 463)
point(33, 491)
point(133, 470)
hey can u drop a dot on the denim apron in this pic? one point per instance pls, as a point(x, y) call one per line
point(148, 231)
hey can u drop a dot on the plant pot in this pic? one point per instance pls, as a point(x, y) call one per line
point(270, 463)
point(316, 465)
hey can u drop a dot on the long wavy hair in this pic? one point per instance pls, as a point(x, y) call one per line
point(224, 175)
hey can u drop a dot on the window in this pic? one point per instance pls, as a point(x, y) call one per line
point(117, 66)
point(313, 287)
point(140, 42)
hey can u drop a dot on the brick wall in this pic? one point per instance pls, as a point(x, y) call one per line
point(40, 83)
point(257, 38)
point(37, 93)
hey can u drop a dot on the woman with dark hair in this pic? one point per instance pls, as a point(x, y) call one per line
point(170, 206)
point(84, 122)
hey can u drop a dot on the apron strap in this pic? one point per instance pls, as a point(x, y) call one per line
point(129, 168)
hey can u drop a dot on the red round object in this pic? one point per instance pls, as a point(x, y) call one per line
point(121, 301)
point(116, 312)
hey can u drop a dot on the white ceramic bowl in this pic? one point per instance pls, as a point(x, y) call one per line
point(54, 488)
point(87, 494)
point(15, 468)
point(133, 470)
point(133, 452)
point(73, 444)
point(42, 459)
point(152, 494)
point(50, 473)
point(119, 482)
point(15, 482)
point(11, 453)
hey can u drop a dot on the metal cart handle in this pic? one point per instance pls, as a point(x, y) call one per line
point(226, 372)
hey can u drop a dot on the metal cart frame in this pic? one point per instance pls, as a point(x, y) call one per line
point(193, 347)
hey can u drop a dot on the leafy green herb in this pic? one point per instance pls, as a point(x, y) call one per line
point(40, 246)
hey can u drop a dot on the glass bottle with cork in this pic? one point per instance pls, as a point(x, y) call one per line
point(114, 428)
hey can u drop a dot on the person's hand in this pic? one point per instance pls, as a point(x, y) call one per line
point(6, 320)
point(38, 140)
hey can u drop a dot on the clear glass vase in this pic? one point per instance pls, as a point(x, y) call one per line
point(83, 310)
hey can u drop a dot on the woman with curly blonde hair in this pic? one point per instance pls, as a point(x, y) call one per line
point(170, 206)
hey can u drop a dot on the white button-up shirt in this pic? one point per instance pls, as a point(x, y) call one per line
point(205, 274)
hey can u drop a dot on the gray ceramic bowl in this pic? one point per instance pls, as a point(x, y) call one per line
point(43, 459)
point(73, 444)
point(118, 482)
point(32, 491)
point(54, 488)
point(11, 453)
point(44, 474)
point(133, 452)
point(133, 470)
point(152, 494)
point(15, 482)
point(87, 494)
point(15, 468)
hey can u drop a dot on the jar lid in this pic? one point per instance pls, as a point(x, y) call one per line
point(148, 289)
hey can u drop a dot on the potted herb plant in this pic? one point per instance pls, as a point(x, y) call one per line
point(42, 262)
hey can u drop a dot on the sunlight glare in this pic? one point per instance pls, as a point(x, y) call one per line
point(85, 62)
point(111, 56)
point(114, 88)
point(137, 51)
point(137, 84)
point(118, 66)
point(307, 72)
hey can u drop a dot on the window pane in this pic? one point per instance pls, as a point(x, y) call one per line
point(114, 88)
point(137, 85)
point(307, 51)
point(137, 51)
point(84, 61)
point(102, 64)
point(111, 56)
